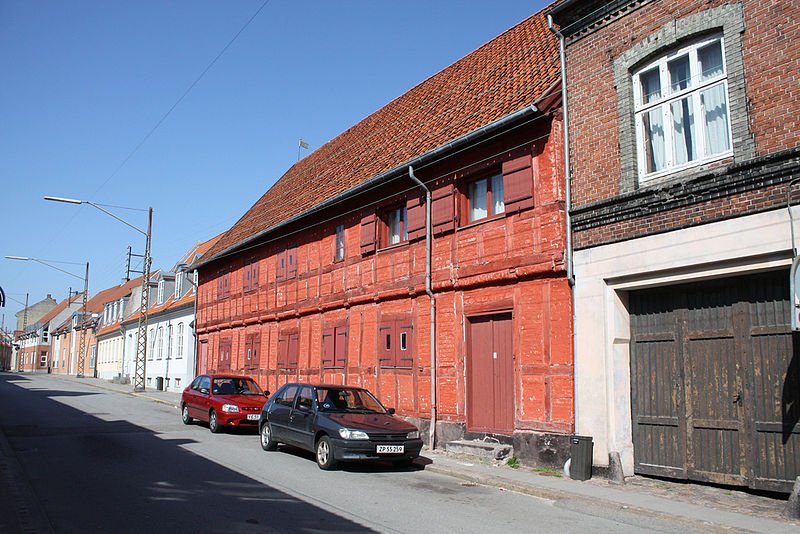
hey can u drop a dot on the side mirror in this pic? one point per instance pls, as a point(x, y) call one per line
point(266, 393)
point(204, 391)
point(390, 411)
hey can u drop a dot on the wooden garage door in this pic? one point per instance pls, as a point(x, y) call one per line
point(714, 384)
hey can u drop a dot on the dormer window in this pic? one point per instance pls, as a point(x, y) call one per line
point(160, 297)
point(179, 284)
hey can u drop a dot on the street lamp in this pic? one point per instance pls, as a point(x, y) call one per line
point(141, 342)
point(82, 348)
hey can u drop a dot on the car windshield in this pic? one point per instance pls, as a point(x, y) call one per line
point(235, 386)
point(348, 400)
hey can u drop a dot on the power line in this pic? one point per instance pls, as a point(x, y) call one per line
point(182, 97)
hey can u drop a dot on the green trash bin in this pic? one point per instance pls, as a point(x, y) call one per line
point(580, 465)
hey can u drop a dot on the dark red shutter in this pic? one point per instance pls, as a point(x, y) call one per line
point(328, 347)
point(283, 351)
point(368, 233)
point(280, 270)
point(405, 350)
point(340, 347)
point(415, 207)
point(443, 210)
point(386, 345)
point(291, 262)
point(293, 351)
point(518, 183)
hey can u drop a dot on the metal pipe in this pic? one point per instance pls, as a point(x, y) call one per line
point(429, 291)
point(568, 205)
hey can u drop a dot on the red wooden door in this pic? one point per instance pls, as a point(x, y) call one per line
point(202, 368)
point(490, 375)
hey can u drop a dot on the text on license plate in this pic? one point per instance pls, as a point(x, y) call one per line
point(253, 416)
point(391, 449)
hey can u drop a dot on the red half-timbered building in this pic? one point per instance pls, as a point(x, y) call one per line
point(335, 276)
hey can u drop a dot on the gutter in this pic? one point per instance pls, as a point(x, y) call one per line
point(429, 291)
point(395, 171)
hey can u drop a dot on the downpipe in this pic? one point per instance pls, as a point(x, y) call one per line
point(432, 299)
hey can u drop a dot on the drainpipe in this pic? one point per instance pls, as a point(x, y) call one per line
point(568, 202)
point(429, 291)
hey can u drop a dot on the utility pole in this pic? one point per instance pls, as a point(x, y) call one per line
point(24, 326)
point(82, 347)
point(141, 343)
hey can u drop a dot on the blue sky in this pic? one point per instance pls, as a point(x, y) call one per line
point(82, 83)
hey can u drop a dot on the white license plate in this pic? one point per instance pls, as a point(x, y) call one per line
point(391, 449)
point(253, 416)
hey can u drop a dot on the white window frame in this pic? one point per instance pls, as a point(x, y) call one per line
point(179, 284)
point(160, 296)
point(179, 350)
point(664, 101)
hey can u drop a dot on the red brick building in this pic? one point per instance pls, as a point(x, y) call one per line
point(325, 278)
point(684, 134)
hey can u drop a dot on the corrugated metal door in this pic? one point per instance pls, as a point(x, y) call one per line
point(714, 382)
point(490, 375)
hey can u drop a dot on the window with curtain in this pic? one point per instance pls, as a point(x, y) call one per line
point(485, 198)
point(681, 108)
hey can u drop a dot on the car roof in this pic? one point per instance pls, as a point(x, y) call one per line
point(212, 376)
point(326, 386)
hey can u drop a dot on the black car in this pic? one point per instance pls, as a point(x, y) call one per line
point(337, 423)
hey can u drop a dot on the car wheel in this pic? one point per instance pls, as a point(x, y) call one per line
point(325, 456)
point(187, 420)
point(267, 443)
point(213, 423)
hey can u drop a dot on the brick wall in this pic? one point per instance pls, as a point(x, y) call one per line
point(511, 263)
point(763, 97)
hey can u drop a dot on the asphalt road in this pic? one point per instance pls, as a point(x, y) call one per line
point(83, 459)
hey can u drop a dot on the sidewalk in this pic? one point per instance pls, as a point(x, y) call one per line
point(695, 505)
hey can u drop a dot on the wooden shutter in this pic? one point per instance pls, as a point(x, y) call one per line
point(328, 347)
point(283, 350)
point(291, 261)
point(293, 350)
point(386, 344)
point(368, 233)
point(280, 270)
point(415, 208)
point(405, 348)
point(518, 183)
point(340, 347)
point(442, 210)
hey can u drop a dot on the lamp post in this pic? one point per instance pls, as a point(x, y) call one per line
point(82, 347)
point(141, 341)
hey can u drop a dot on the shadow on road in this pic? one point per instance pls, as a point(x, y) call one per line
point(91, 475)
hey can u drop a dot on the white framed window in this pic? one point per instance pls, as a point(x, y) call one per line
point(179, 350)
point(681, 109)
point(152, 335)
point(179, 284)
point(160, 296)
point(160, 343)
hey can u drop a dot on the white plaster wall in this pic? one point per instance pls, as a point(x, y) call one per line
point(174, 367)
point(604, 275)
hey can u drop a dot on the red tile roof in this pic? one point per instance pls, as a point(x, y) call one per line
point(501, 77)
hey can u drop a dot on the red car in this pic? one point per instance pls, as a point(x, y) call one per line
point(222, 400)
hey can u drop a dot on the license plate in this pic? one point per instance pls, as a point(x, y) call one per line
point(253, 416)
point(391, 449)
